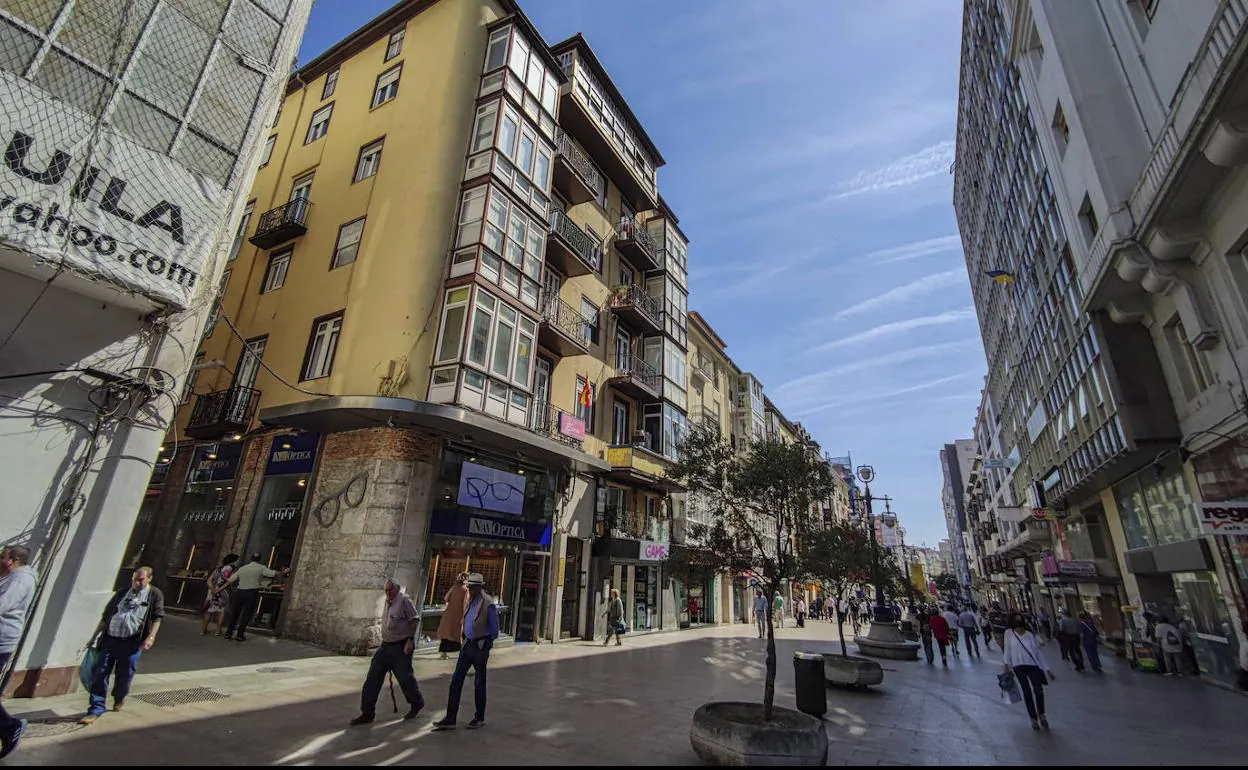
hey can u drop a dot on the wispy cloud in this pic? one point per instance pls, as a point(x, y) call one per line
point(914, 250)
point(881, 395)
point(931, 161)
point(915, 288)
point(798, 388)
point(750, 279)
point(896, 327)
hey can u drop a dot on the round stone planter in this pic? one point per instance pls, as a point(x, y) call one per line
point(731, 733)
point(851, 670)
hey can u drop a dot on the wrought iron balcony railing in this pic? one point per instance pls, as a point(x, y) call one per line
point(281, 224)
point(223, 412)
point(577, 243)
point(552, 422)
point(590, 183)
point(635, 242)
point(573, 334)
point(637, 307)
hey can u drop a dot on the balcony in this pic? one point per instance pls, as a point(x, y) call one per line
point(702, 368)
point(638, 466)
point(1033, 537)
point(708, 418)
point(554, 423)
point(281, 224)
point(563, 329)
point(636, 378)
point(570, 249)
point(629, 524)
point(638, 246)
point(575, 175)
point(643, 313)
point(223, 413)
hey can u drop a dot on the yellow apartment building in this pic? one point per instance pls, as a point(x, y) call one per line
point(452, 337)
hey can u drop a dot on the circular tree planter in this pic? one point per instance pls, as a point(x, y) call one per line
point(731, 733)
point(851, 670)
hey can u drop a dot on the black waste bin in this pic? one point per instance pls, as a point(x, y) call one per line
point(812, 688)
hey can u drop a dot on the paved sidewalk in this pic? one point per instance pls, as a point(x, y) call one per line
point(578, 703)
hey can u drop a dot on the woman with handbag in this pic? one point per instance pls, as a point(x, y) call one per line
point(615, 618)
point(451, 626)
point(1024, 659)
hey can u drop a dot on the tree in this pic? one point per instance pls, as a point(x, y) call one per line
point(836, 558)
point(759, 502)
point(947, 584)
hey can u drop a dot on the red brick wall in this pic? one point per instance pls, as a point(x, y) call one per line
point(380, 444)
point(1222, 473)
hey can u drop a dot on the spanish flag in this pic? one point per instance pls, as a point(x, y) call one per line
point(1000, 276)
point(586, 396)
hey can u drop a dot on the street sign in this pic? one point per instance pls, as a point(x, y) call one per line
point(866, 474)
point(1039, 514)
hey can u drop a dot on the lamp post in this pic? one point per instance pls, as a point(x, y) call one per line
point(882, 613)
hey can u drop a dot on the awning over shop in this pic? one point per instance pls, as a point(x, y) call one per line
point(340, 413)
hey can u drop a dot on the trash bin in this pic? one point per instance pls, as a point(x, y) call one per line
point(812, 688)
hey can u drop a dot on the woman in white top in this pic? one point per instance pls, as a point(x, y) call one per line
point(1023, 657)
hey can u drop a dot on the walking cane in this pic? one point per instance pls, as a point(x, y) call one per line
point(393, 700)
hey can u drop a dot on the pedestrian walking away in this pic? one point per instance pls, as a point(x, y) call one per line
point(799, 612)
point(969, 625)
point(451, 626)
point(1068, 631)
point(614, 612)
point(17, 590)
point(925, 634)
point(394, 656)
point(1090, 639)
point(1023, 657)
point(1170, 640)
point(951, 618)
point(985, 627)
point(127, 629)
point(480, 631)
point(760, 612)
point(940, 631)
point(250, 579)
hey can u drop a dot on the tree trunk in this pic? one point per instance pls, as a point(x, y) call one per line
point(769, 689)
point(840, 629)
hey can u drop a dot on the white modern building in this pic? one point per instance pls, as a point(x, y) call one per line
point(130, 129)
point(1134, 404)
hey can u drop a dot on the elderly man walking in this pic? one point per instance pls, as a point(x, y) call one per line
point(17, 590)
point(128, 628)
point(398, 640)
point(480, 631)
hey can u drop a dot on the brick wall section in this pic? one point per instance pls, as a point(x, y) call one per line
point(342, 561)
point(1222, 472)
point(165, 517)
point(242, 506)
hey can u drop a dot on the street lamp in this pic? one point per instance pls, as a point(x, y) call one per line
point(882, 613)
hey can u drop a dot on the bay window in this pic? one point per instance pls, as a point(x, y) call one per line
point(454, 316)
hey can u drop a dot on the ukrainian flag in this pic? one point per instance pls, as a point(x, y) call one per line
point(1000, 276)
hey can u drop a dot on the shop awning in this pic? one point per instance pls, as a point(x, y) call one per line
point(339, 413)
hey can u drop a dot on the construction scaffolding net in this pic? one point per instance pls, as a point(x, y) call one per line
point(125, 125)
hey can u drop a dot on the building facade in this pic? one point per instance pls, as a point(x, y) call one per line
point(955, 460)
point(1127, 109)
point(452, 337)
point(131, 132)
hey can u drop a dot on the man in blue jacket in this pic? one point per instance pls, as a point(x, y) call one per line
point(480, 630)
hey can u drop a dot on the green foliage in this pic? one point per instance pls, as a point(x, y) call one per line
point(837, 558)
point(759, 503)
point(947, 583)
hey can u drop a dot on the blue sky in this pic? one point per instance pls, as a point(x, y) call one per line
point(808, 147)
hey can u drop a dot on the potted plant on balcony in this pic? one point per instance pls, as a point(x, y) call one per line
point(838, 557)
point(757, 502)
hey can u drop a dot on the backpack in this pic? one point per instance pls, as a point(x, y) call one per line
point(1172, 639)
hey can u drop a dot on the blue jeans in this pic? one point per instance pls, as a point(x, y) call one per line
point(119, 657)
point(1093, 654)
point(470, 656)
point(7, 723)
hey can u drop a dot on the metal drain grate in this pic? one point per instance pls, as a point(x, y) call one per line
point(275, 669)
point(172, 698)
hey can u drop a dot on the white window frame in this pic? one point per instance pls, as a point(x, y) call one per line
point(276, 269)
point(386, 89)
point(369, 161)
point(341, 249)
point(485, 127)
point(302, 187)
point(318, 124)
point(456, 299)
point(241, 233)
point(499, 37)
point(394, 46)
point(266, 154)
point(331, 84)
point(493, 313)
point(323, 347)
